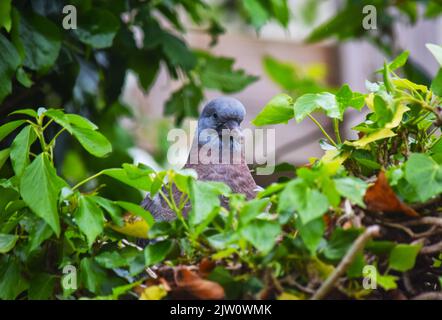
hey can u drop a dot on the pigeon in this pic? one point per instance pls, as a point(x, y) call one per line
point(219, 132)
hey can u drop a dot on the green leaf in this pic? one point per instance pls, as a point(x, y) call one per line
point(261, 234)
point(352, 188)
point(218, 73)
point(205, 198)
point(12, 283)
point(425, 175)
point(24, 78)
point(132, 176)
point(41, 39)
point(40, 232)
point(89, 218)
point(251, 209)
point(9, 62)
point(110, 207)
point(436, 84)
point(339, 243)
point(399, 61)
point(5, 15)
point(7, 128)
point(281, 11)
point(97, 28)
point(282, 73)
point(94, 142)
point(40, 188)
point(309, 203)
point(403, 257)
point(311, 233)
point(436, 51)
point(256, 12)
point(278, 110)
point(157, 252)
point(137, 210)
point(80, 122)
point(28, 112)
point(347, 98)
point(387, 282)
point(42, 286)
point(310, 102)
point(92, 276)
point(20, 149)
point(4, 155)
point(7, 242)
point(184, 102)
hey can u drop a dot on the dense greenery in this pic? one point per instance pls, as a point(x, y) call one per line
point(298, 235)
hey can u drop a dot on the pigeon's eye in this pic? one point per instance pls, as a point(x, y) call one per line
point(215, 116)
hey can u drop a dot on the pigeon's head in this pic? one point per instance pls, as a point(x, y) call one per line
point(222, 113)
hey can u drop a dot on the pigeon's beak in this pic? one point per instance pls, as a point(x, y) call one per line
point(232, 125)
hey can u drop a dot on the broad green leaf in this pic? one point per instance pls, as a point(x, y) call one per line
point(97, 28)
point(309, 203)
point(403, 257)
point(7, 242)
point(261, 234)
point(368, 138)
point(251, 209)
point(425, 175)
point(399, 61)
point(89, 218)
point(157, 252)
point(80, 122)
point(94, 142)
point(4, 155)
point(278, 110)
point(256, 12)
point(12, 282)
point(92, 276)
point(205, 198)
point(24, 78)
point(339, 243)
point(281, 11)
point(9, 61)
point(42, 286)
point(311, 233)
point(436, 84)
point(387, 282)
point(5, 15)
point(40, 232)
point(59, 117)
point(218, 73)
point(310, 102)
point(184, 102)
point(436, 51)
point(352, 188)
point(132, 176)
point(284, 74)
point(41, 39)
point(347, 98)
point(111, 208)
point(20, 149)
point(28, 112)
point(137, 210)
point(40, 188)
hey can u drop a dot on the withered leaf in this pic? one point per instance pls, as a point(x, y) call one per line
point(190, 283)
point(381, 197)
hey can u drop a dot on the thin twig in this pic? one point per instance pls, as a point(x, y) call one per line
point(346, 262)
point(434, 248)
point(425, 220)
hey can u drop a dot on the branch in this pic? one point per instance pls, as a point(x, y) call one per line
point(358, 245)
point(425, 220)
point(434, 248)
point(429, 296)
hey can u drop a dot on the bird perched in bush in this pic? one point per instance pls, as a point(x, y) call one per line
point(217, 154)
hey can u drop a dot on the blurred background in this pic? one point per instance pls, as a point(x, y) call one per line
point(138, 68)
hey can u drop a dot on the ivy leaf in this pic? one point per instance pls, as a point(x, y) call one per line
point(261, 234)
point(89, 218)
point(339, 243)
point(7, 242)
point(40, 188)
point(278, 110)
point(157, 252)
point(425, 175)
point(132, 176)
point(403, 257)
point(20, 149)
point(97, 28)
point(311, 233)
point(310, 102)
point(41, 40)
point(251, 209)
point(436, 51)
point(39, 233)
point(92, 276)
point(204, 197)
point(9, 62)
point(309, 203)
point(137, 210)
point(352, 188)
point(218, 73)
point(41, 286)
point(347, 98)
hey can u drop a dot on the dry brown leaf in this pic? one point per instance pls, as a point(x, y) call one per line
point(206, 266)
point(191, 283)
point(381, 197)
